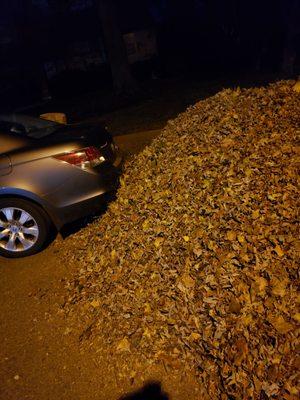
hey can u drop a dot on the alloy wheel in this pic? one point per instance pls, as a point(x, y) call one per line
point(18, 229)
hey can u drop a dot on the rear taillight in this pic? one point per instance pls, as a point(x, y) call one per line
point(89, 157)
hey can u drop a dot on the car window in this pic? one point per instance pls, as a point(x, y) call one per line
point(28, 126)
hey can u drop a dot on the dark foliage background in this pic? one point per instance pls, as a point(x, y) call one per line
point(205, 38)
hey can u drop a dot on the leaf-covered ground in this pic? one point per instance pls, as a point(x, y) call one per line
point(196, 262)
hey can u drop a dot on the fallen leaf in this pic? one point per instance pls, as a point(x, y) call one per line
point(280, 324)
point(158, 242)
point(231, 236)
point(234, 306)
point(194, 336)
point(279, 251)
point(95, 303)
point(296, 87)
point(123, 345)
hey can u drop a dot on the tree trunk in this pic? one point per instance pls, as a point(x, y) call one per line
point(33, 52)
point(292, 30)
point(123, 81)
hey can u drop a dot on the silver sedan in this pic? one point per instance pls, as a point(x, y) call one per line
point(50, 174)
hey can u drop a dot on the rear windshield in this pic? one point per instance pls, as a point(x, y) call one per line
point(28, 126)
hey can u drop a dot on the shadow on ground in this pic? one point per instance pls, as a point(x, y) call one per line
point(151, 391)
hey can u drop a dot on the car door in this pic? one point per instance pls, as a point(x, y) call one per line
point(5, 165)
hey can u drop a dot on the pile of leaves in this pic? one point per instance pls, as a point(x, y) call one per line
point(197, 260)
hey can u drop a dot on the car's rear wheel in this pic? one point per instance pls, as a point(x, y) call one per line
point(24, 228)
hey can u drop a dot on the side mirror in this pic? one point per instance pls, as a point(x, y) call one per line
point(61, 118)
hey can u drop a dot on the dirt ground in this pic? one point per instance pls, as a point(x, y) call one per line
point(41, 357)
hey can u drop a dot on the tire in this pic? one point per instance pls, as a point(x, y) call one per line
point(24, 228)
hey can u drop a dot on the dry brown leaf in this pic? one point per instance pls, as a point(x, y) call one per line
point(280, 324)
point(123, 345)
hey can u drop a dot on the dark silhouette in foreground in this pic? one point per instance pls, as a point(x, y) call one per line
point(151, 391)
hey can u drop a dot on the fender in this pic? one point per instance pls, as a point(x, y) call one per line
point(26, 195)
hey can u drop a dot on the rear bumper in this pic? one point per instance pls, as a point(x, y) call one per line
point(81, 209)
point(91, 198)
